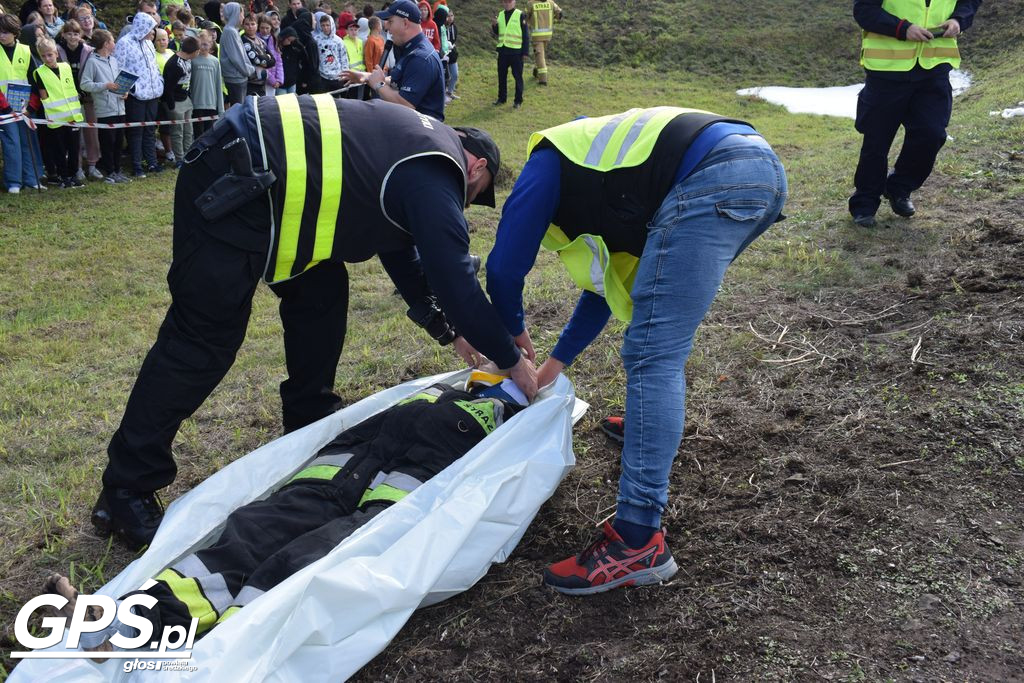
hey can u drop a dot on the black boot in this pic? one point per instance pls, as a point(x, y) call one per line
point(134, 516)
point(901, 205)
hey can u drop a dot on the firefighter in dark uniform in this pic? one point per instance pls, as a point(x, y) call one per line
point(289, 190)
point(907, 51)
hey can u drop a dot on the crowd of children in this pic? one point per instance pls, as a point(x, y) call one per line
point(168, 64)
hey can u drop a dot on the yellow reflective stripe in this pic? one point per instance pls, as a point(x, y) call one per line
point(382, 492)
point(60, 103)
point(295, 185)
point(603, 138)
point(186, 589)
point(330, 197)
point(317, 472)
point(429, 398)
point(230, 611)
point(634, 133)
point(481, 411)
point(879, 53)
point(941, 52)
point(597, 263)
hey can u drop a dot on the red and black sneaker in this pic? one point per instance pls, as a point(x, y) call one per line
point(614, 427)
point(608, 563)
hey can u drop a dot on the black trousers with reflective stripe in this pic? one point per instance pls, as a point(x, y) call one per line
point(265, 542)
point(214, 271)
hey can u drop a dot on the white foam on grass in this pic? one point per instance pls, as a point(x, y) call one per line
point(834, 101)
point(1010, 112)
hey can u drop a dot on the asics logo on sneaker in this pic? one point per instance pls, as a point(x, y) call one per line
point(615, 568)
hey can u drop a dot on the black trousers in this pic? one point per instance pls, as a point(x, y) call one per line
point(510, 59)
point(141, 141)
point(923, 108)
point(213, 275)
point(111, 144)
point(60, 150)
point(200, 127)
point(263, 543)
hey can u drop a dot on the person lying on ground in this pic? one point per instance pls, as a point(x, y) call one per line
point(352, 479)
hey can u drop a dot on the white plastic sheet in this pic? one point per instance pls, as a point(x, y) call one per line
point(328, 620)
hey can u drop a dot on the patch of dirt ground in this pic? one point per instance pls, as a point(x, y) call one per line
point(845, 506)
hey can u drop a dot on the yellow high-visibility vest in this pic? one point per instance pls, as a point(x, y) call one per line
point(15, 70)
point(887, 53)
point(510, 34)
point(162, 58)
point(354, 48)
point(604, 144)
point(61, 102)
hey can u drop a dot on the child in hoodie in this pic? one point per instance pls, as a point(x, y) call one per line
point(333, 56)
point(136, 55)
point(234, 65)
point(98, 76)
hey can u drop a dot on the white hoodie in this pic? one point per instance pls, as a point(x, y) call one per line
point(136, 55)
point(333, 56)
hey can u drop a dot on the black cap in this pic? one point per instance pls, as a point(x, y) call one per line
point(479, 143)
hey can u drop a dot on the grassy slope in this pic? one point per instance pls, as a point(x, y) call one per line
point(82, 294)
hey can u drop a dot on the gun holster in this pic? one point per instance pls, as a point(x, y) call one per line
point(235, 188)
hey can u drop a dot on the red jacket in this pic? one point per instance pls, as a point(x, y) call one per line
point(429, 26)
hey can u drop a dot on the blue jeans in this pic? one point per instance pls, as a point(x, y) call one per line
point(705, 222)
point(453, 71)
point(285, 91)
point(19, 160)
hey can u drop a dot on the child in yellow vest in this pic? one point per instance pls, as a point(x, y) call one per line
point(56, 87)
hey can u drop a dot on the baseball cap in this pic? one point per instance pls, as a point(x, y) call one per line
point(479, 143)
point(402, 8)
point(346, 18)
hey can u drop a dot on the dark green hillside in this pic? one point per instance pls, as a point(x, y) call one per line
point(778, 41)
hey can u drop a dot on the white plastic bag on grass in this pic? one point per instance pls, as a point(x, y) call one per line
point(329, 619)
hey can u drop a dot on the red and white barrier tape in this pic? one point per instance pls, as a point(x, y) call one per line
point(7, 118)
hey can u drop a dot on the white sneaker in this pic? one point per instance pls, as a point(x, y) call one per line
point(40, 186)
point(95, 174)
point(159, 145)
point(80, 175)
point(13, 190)
point(170, 158)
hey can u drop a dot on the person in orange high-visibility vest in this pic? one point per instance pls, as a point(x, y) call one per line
point(908, 49)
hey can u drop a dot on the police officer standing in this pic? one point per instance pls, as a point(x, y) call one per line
point(330, 182)
point(417, 79)
point(513, 46)
point(540, 16)
point(907, 50)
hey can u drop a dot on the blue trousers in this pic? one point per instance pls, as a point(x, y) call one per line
point(20, 161)
point(923, 108)
point(705, 222)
